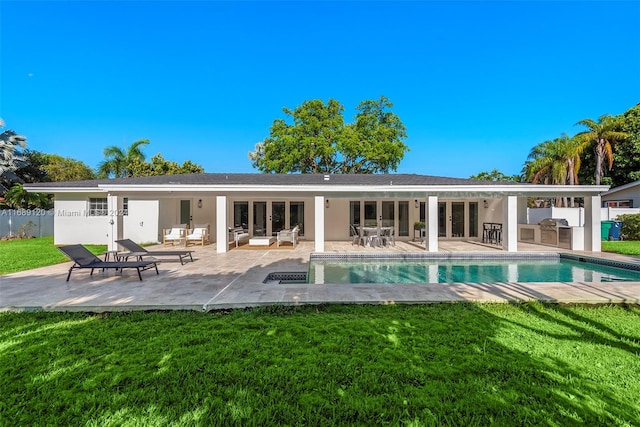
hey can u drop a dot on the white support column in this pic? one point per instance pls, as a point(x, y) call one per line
point(432, 223)
point(510, 223)
point(114, 207)
point(319, 223)
point(592, 224)
point(222, 231)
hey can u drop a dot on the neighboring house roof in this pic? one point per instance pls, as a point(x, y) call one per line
point(388, 184)
point(622, 188)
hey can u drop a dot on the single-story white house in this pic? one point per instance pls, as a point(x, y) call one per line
point(624, 196)
point(324, 206)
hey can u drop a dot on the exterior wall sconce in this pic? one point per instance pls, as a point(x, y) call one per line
point(200, 203)
point(417, 204)
point(486, 204)
point(326, 203)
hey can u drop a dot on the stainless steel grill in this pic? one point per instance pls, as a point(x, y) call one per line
point(549, 230)
point(553, 223)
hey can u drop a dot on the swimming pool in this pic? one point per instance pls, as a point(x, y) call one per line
point(552, 268)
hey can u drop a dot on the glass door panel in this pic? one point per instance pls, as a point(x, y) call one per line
point(354, 215)
point(241, 215)
point(259, 218)
point(277, 217)
point(370, 214)
point(296, 216)
point(442, 219)
point(403, 219)
point(388, 211)
point(473, 219)
point(457, 219)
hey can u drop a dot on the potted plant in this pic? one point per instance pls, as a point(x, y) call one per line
point(419, 225)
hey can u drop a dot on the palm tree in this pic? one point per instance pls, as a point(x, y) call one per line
point(602, 134)
point(19, 198)
point(555, 162)
point(116, 163)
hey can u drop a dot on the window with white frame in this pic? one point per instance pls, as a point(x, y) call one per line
point(98, 206)
point(618, 204)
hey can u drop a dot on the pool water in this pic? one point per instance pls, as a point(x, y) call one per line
point(339, 271)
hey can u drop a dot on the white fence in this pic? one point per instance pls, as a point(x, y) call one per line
point(574, 216)
point(37, 222)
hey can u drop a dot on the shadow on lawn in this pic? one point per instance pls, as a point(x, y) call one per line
point(452, 364)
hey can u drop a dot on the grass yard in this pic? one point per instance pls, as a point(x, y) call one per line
point(412, 365)
point(624, 247)
point(25, 254)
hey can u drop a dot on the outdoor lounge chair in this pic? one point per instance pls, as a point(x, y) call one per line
point(177, 233)
point(199, 234)
point(135, 250)
point(83, 258)
point(287, 236)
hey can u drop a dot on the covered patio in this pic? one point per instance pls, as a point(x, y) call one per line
point(324, 207)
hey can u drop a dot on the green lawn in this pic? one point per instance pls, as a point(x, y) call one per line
point(408, 365)
point(25, 254)
point(624, 247)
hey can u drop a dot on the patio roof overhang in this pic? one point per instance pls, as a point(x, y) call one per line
point(340, 191)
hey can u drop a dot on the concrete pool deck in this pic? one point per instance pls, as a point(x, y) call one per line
point(234, 280)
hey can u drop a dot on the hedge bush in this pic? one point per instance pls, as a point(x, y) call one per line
point(630, 226)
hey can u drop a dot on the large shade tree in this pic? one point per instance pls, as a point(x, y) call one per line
point(374, 142)
point(43, 167)
point(117, 160)
point(315, 139)
point(602, 134)
point(626, 153)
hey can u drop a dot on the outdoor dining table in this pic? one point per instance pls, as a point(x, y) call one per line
point(373, 235)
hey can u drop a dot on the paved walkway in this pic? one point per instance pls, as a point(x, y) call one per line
point(232, 280)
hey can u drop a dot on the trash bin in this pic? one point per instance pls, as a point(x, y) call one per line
point(614, 232)
point(605, 229)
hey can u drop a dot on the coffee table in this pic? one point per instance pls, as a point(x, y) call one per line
point(261, 241)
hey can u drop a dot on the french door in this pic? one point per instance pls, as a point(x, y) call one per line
point(457, 219)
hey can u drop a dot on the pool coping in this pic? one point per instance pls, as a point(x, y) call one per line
point(234, 280)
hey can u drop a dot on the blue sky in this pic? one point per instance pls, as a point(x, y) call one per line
point(477, 84)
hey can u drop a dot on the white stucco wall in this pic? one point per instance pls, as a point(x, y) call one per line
point(336, 220)
point(72, 223)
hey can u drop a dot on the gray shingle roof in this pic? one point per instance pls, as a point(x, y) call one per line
point(271, 180)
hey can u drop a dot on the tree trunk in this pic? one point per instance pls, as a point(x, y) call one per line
point(599, 156)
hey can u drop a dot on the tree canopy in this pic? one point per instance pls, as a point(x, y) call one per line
point(132, 162)
point(43, 167)
point(160, 166)
point(496, 176)
point(317, 140)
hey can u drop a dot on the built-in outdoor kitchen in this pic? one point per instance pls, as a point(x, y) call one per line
point(553, 232)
